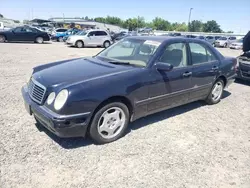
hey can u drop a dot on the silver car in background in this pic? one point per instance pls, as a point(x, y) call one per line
point(93, 37)
point(237, 44)
point(224, 42)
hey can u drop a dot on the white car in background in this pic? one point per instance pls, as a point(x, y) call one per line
point(237, 45)
point(224, 41)
point(93, 37)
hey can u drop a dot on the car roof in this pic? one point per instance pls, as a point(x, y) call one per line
point(162, 39)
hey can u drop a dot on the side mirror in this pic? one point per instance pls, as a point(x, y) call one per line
point(163, 66)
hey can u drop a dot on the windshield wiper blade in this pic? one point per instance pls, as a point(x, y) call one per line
point(119, 62)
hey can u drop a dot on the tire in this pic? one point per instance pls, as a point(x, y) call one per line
point(109, 117)
point(60, 39)
point(212, 99)
point(106, 44)
point(39, 40)
point(225, 45)
point(79, 44)
point(2, 38)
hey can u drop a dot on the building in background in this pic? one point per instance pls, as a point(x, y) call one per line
point(82, 24)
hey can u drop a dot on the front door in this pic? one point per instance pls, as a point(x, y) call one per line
point(19, 34)
point(170, 89)
point(205, 67)
point(92, 39)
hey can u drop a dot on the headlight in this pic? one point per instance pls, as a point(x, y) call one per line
point(51, 98)
point(61, 98)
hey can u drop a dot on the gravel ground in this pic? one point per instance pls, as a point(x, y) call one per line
point(195, 145)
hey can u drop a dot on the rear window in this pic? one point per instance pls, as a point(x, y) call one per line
point(222, 38)
point(61, 30)
point(209, 37)
point(101, 33)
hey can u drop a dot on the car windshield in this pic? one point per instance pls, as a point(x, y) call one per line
point(222, 38)
point(131, 51)
point(81, 33)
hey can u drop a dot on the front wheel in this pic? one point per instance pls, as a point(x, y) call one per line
point(39, 40)
point(216, 93)
point(109, 123)
point(79, 44)
point(2, 38)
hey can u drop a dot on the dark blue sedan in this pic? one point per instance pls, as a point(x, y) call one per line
point(133, 78)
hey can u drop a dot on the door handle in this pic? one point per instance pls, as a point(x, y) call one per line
point(186, 74)
point(215, 68)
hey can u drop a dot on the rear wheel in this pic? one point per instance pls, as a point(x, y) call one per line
point(39, 40)
point(216, 92)
point(79, 44)
point(109, 123)
point(106, 44)
point(2, 38)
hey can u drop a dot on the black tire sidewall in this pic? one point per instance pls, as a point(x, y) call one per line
point(209, 99)
point(93, 130)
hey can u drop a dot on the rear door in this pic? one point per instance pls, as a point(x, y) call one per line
point(101, 35)
point(205, 67)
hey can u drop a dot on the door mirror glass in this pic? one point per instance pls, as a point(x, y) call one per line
point(162, 66)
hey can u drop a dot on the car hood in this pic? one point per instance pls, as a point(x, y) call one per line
point(76, 71)
point(246, 42)
point(221, 41)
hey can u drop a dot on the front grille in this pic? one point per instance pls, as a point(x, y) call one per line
point(36, 91)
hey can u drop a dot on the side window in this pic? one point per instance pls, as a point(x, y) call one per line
point(175, 54)
point(19, 30)
point(232, 38)
point(101, 33)
point(28, 29)
point(200, 54)
point(92, 33)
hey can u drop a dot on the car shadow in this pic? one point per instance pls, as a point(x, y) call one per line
point(45, 42)
point(72, 143)
point(244, 82)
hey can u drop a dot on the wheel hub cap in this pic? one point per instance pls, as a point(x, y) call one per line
point(111, 122)
point(217, 91)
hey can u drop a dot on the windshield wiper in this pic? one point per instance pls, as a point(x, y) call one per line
point(119, 63)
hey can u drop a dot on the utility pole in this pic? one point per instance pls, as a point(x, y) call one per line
point(190, 11)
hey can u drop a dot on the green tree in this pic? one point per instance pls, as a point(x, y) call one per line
point(180, 26)
point(1, 16)
point(131, 24)
point(195, 26)
point(100, 19)
point(114, 20)
point(86, 18)
point(211, 26)
point(161, 24)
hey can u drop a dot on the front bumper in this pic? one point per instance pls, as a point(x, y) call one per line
point(61, 125)
point(243, 75)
